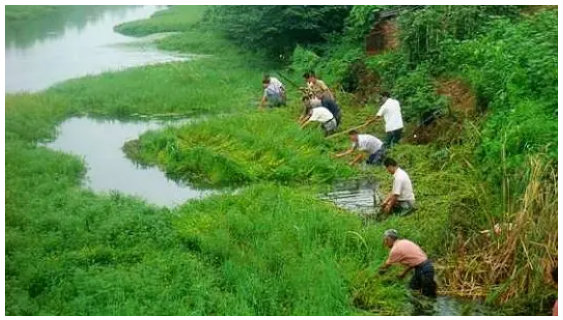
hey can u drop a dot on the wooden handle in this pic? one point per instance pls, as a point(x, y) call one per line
point(346, 131)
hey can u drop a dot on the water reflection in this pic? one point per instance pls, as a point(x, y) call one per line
point(99, 143)
point(361, 196)
point(75, 42)
point(25, 34)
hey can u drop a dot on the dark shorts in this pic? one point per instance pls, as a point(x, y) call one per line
point(338, 118)
point(423, 279)
point(404, 208)
point(376, 158)
point(393, 138)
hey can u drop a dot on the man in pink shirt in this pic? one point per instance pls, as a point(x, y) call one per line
point(410, 255)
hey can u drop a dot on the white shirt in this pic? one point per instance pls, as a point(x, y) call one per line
point(391, 113)
point(316, 102)
point(320, 114)
point(402, 185)
point(368, 143)
point(276, 83)
point(271, 91)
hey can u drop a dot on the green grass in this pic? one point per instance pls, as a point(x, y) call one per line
point(180, 18)
point(21, 13)
point(243, 148)
point(269, 249)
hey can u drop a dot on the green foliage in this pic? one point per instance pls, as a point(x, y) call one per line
point(513, 68)
point(417, 94)
point(15, 13)
point(423, 31)
point(360, 21)
point(266, 249)
point(177, 18)
point(277, 29)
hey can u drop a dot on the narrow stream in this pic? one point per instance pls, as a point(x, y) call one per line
point(99, 143)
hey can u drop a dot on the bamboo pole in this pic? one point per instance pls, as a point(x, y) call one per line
point(346, 131)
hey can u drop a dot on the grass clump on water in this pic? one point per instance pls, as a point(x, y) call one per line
point(243, 148)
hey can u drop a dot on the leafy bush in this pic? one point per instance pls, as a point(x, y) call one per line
point(278, 29)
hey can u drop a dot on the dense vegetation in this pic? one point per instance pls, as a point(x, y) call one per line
point(274, 249)
point(491, 73)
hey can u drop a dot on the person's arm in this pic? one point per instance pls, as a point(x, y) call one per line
point(262, 102)
point(378, 116)
point(305, 121)
point(345, 153)
point(405, 272)
point(384, 267)
point(390, 202)
point(357, 159)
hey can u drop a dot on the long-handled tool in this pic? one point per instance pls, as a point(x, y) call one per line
point(287, 79)
point(346, 131)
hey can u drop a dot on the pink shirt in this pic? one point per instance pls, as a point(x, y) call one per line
point(407, 253)
point(555, 309)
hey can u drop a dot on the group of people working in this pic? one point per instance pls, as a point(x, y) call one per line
point(319, 105)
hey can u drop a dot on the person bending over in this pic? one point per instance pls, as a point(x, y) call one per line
point(272, 95)
point(410, 255)
point(322, 115)
point(369, 144)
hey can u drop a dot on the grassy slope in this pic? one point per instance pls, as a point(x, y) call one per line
point(69, 251)
point(20, 13)
point(267, 250)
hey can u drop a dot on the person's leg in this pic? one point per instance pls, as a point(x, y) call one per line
point(329, 127)
point(388, 140)
point(416, 281)
point(427, 280)
point(371, 158)
point(397, 134)
point(403, 208)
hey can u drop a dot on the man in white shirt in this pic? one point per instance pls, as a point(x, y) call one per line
point(369, 144)
point(401, 199)
point(273, 94)
point(278, 84)
point(391, 113)
point(319, 114)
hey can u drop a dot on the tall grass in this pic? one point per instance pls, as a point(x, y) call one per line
point(518, 259)
point(243, 148)
point(268, 249)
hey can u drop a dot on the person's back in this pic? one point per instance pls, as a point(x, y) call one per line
point(330, 105)
point(402, 186)
point(321, 114)
point(276, 83)
point(369, 143)
point(391, 112)
point(406, 253)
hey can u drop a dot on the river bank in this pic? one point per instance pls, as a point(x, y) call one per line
point(272, 248)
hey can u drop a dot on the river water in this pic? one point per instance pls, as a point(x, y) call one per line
point(74, 43)
point(79, 41)
point(99, 143)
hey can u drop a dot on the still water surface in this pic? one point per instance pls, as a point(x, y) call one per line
point(99, 143)
point(76, 42)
